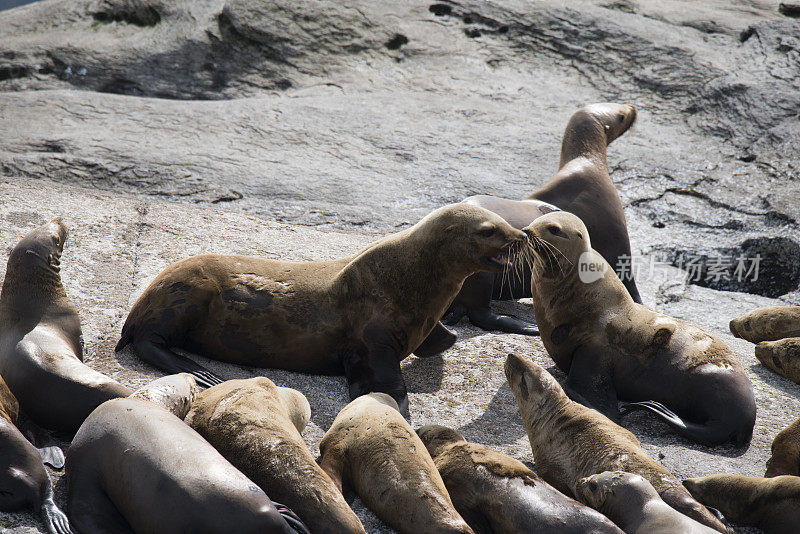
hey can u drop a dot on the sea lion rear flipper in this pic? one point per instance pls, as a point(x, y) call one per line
point(589, 384)
point(486, 319)
point(52, 456)
point(51, 453)
point(439, 340)
point(291, 518)
point(163, 358)
point(54, 519)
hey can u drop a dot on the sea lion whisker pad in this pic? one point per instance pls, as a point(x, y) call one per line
point(358, 316)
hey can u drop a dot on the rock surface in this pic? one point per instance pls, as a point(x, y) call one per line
point(360, 117)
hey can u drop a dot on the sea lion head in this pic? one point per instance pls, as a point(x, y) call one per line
point(782, 356)
point(558, 240)
point(174, 393)
point(601, 491)
point(483, 236)
point(297, 407)
point(437, 437)
point(530, 383)
point(40, 249)
point(614, 119)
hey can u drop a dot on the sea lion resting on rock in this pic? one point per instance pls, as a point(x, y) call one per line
point(359, 315)
point(770, 504)
point(785, 458)
point(496, 493)
point(135, 466)
point(23, 478)
point(581, 186)
point(634, 504)
point(372, 448)
point(782, 356)
point(767, 324)
point(615, 349)
point(41, 345)
point(570, 441)
point(256, 426)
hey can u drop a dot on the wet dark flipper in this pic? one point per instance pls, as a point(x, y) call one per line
point(291, 518)
point(54, 519)
point(454, 314)
point(163, 358)
point(590, 384)
point(439, 340)
point(53, 456)
point(486, 319)
point(707, 434)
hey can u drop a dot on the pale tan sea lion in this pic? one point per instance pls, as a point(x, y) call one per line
point(256, 426)
point(373, 449)
point(768, 324)
point(570, 441)
point(782, 356)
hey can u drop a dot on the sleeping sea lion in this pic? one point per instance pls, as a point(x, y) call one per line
point(767, 324)
point(782, 356)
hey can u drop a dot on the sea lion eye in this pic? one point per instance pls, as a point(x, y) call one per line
point(593, 486)
point(580, 236)
point(486, 232)
point(555, 230)
point(777, 362)
point(621, 117)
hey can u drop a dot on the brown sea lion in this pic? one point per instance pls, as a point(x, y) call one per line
point(496, 493)
point(615, 349)
point(782, 356)
point(135, 466)
point(634, 504)
point(581, 186)
point(23, 479)
point(359, 315)
point(373, 449)
point(768, 324)
point(770, 504)
point(256, 426)
point(41, 345)
point(570, 441)
point(785, 458)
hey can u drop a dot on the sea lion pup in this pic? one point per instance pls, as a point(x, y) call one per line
point(135, 466)
point(41, 345)
point(256, 426)
point(23, 479)
point(615, 349)
point(373, 449)
point(633, 503)
point(570, 441)
point(358, 315)
point(782, 356)
point(767, 324)
point(785, 458)
point(770, 504)
point(581, 186)
point(496, 493)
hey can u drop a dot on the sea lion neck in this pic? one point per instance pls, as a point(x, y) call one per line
point(583, 137)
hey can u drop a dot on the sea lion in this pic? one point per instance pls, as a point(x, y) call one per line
point(615, 349)
point(767, 324)
point(785, 459)
point(633, 503)
point(496, 493)
point(570, 441)
point(358, 315)
point(770, 504)
point(41, 345)
point(373, 449)
point(256, 426)
point(782, 356)
point(581, 186)
point(135, 466)
point(23, 479)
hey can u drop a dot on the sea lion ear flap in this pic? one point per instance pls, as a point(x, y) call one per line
point(332, 462)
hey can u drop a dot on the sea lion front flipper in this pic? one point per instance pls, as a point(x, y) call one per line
point(589, 384)
point(52, 456)
point(54, 519)
point(51, 453)
point(486, 319)
point(439, 340)
point(163, 358)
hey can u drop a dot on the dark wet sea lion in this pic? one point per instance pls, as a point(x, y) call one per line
point(373, 449)
point(771, 504)
point(785, 458)
point(570, 441)
point(41, 345)
point(782, 356)
point(615, 349)
point(496, 493)
point(135, 466)
point(256, 426)
point(634, 504)
point(581, 186)
point(767, 324)
point(359, 315)
point(23, 479)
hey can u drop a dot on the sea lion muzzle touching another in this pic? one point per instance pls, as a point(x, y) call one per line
point(767, 324)
point(570, 441)
point(23, 478)
point(634, 504)
point(135, 466)
point(770, 504)
point(785, 459)
point(41, 345)
point(782, 356)
point(581, 186)
point(359, 315)
point(496, 493)
point(373, 449)
point(256, 426)
point(615, 349)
